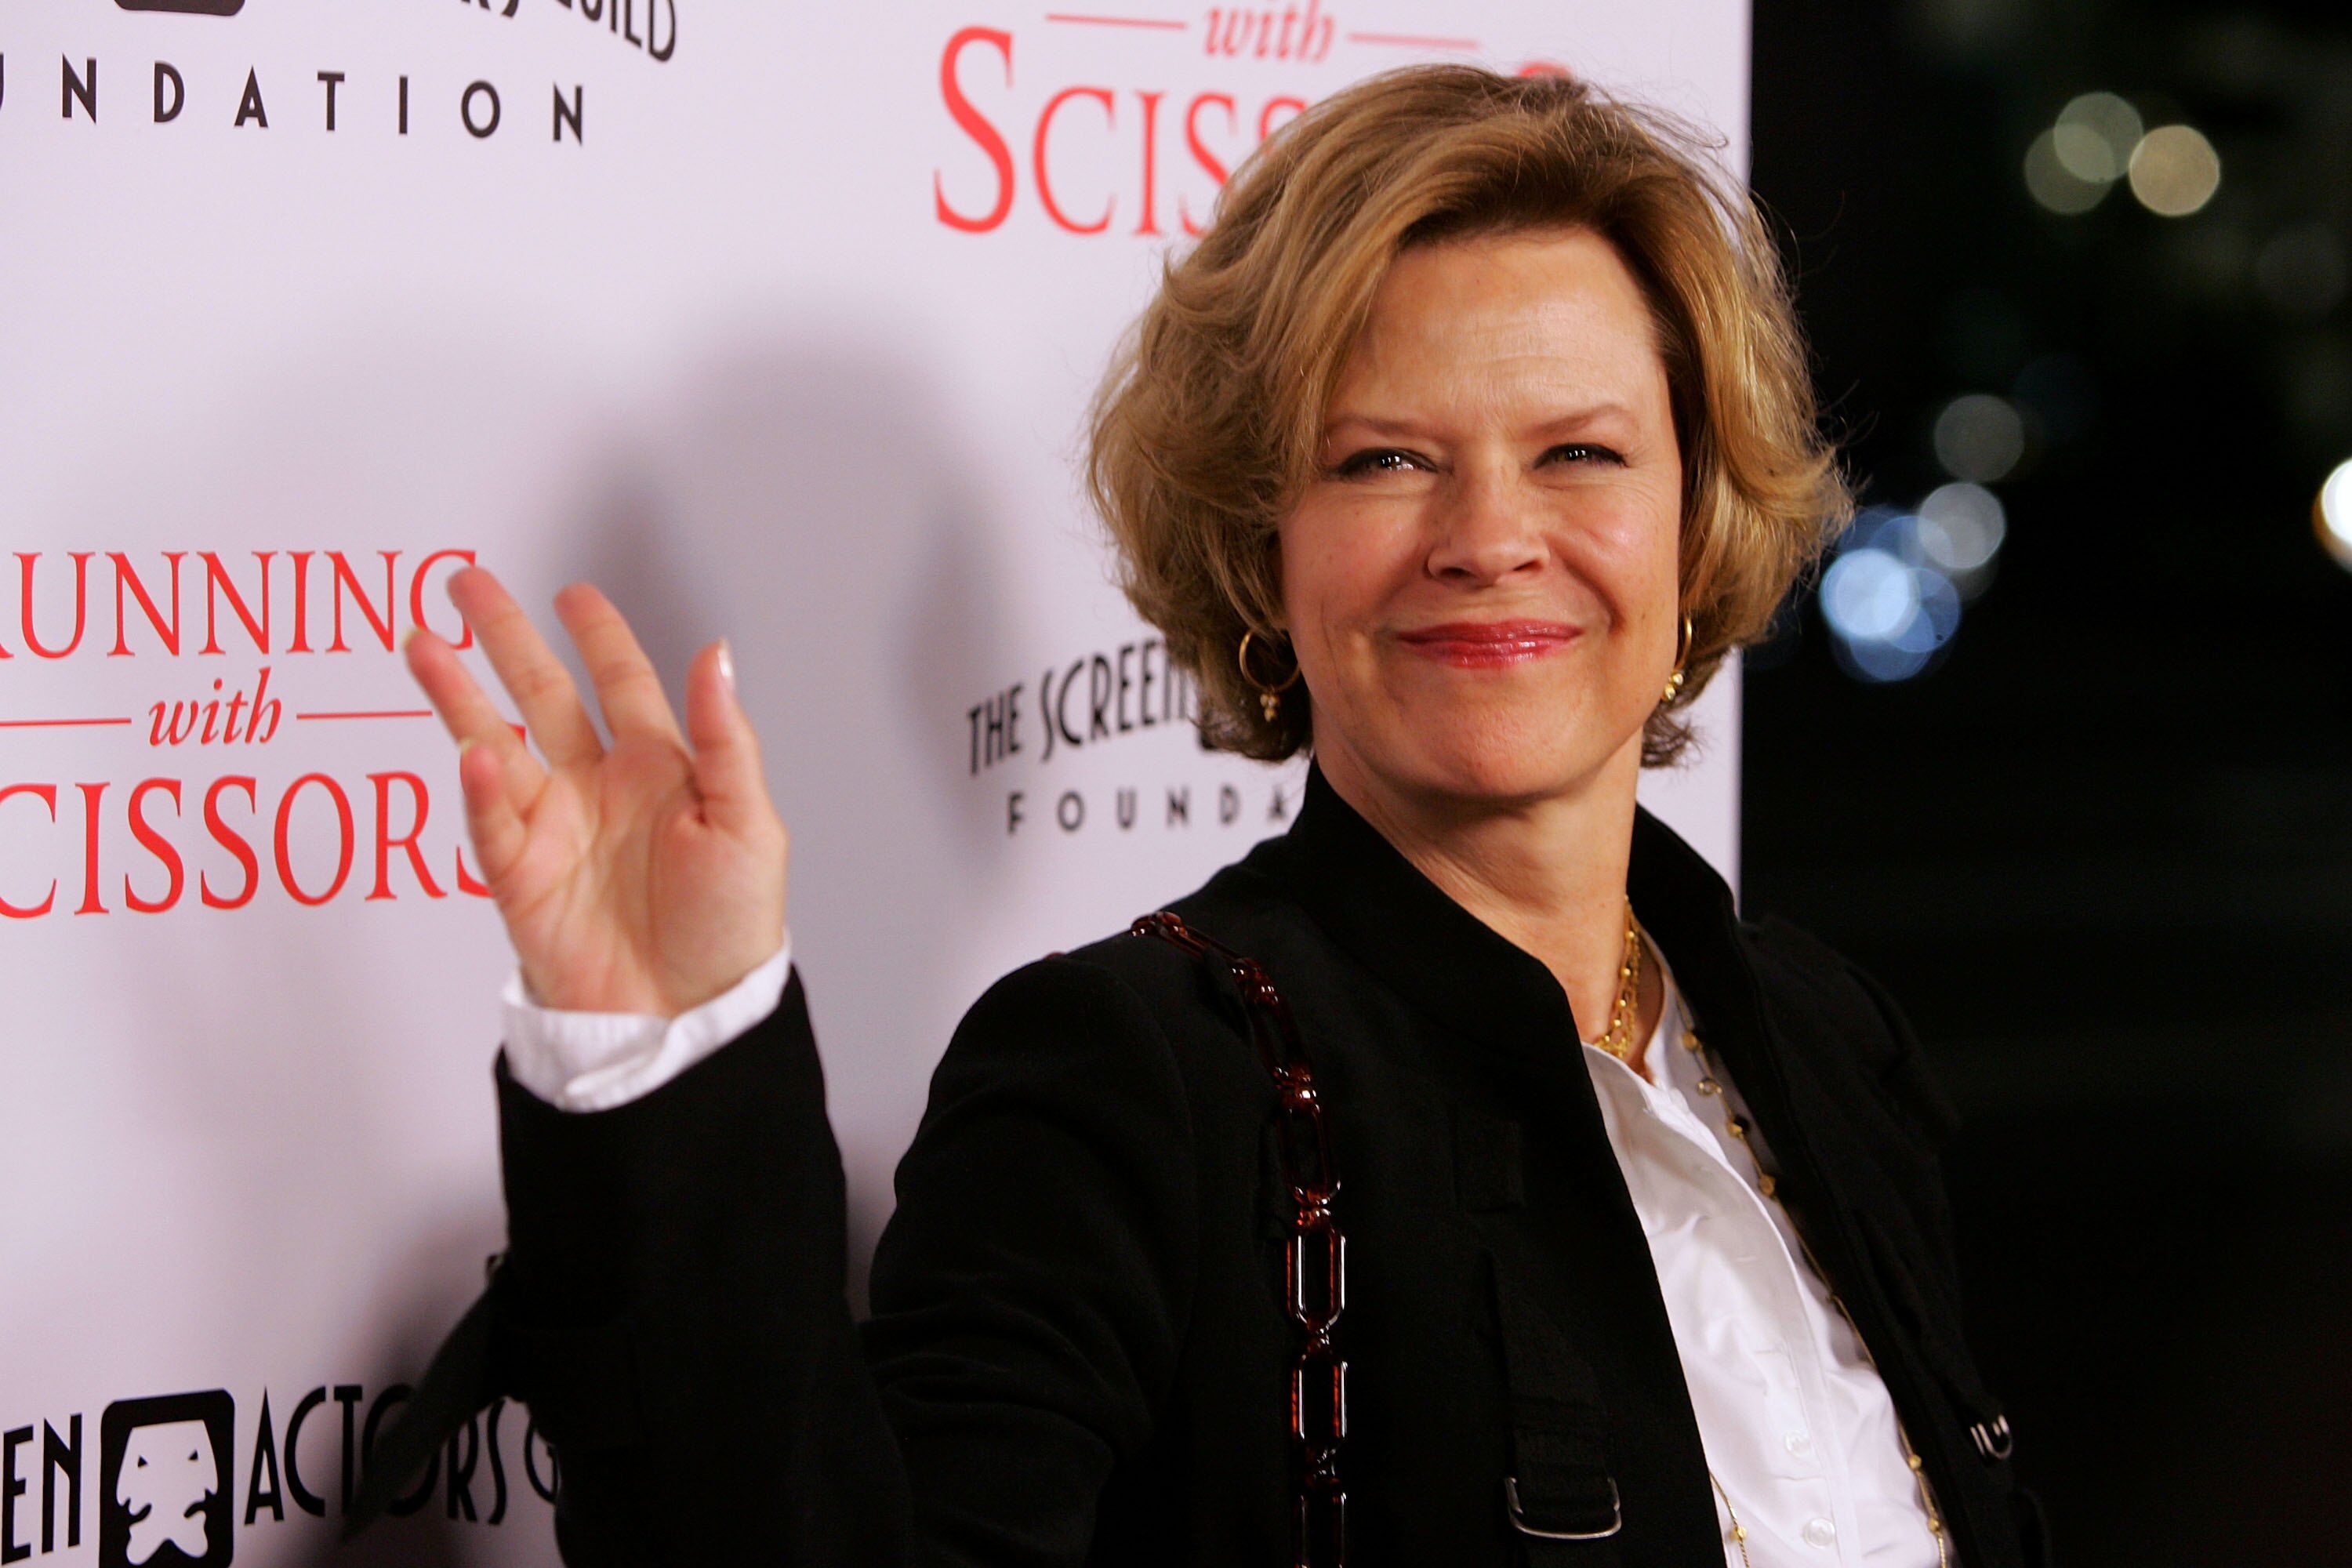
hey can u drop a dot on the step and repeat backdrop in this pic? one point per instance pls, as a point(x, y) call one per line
point(776, 321)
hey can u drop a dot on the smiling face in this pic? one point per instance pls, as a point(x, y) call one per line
point(1480, 582)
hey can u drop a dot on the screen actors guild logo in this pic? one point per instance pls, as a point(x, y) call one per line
point(165, 1481)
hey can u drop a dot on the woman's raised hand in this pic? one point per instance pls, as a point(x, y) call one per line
point(646, 877)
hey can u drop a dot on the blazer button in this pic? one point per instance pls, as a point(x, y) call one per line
point(1820, 1533)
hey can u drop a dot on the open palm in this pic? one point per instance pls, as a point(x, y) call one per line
point(643, 876)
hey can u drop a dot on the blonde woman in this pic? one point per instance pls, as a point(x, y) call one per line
point(1455, 1179)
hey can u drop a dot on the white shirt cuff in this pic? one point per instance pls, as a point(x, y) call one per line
point(594, 1061)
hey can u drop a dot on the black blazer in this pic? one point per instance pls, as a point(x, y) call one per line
point(1078, 1352)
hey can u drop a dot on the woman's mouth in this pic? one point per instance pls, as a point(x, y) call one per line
point(1489, 645)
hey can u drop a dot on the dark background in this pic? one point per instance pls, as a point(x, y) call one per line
point(2101, 849)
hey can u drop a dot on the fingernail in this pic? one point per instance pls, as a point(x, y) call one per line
point(410, 635)
point(727, 665)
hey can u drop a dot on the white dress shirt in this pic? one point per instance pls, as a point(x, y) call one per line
point(1799, 1430)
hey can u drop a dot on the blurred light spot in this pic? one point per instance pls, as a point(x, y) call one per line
point(1889, 609)
point(2301, 271)
point(1979, 437)
point(1869, 596)
point(2051, 184)
point(2175, 171)
point(2094, 138)
point(1885, 662)
point(1880, 528)
point(2084, 153)
point(1960, 528)
point(2332, 515)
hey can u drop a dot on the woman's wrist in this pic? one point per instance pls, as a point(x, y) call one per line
point(636, 996)
point(581, 1060)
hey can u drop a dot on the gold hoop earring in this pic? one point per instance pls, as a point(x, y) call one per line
point(1269, 697)
point(1682, 657)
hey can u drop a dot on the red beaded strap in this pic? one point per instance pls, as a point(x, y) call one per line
point(1314, 1255)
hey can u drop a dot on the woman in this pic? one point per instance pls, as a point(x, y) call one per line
point(1460, 449)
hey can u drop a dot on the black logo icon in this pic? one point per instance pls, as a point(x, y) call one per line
point(166, 1483)
point(193, 7)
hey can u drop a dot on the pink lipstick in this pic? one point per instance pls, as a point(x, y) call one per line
point(1489, 645)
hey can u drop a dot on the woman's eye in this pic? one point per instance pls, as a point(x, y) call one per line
point(1585, 451)
point(1376, 460)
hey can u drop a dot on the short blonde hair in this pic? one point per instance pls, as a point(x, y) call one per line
point(1206, 426)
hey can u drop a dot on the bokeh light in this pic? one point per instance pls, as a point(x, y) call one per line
point(1870, 596)
point(2055, 186)
point(2094, 137)
point(2332, 515)
point(1960, 528)
point(1890, 608)
point(2175, 171)
point(2070, 167)
point(1979, 437)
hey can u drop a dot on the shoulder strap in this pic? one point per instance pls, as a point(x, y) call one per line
point(1315, 1252)
point(1562, 1499)
point(1563, 1503)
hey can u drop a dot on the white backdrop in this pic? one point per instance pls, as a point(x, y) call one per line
point(775, 320)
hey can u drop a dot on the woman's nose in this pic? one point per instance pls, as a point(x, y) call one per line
point(1487, 529)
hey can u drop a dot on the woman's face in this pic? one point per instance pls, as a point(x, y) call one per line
point(1480, 581)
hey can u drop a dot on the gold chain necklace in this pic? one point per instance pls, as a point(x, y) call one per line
point(1618, 1039)
point(1711, 1085)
